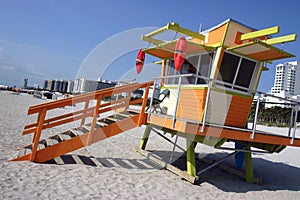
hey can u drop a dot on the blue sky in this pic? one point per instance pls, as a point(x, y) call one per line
point(51, 39)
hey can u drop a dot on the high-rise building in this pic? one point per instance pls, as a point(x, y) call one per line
point(57, 85)
point(287, 78)
point(46, 82)
point(25, 83)
point(51, 84)
point(70, 86)
point(286, 85)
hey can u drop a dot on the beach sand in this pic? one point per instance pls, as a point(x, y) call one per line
point(122, 173)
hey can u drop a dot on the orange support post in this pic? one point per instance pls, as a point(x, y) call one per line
point(142, 114)
point(95, 116)
point(85, 107)
point(37, 135)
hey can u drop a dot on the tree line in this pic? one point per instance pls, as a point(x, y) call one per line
point(272, 116)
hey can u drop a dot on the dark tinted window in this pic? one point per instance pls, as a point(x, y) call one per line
point(228, 68)
point(245, 73)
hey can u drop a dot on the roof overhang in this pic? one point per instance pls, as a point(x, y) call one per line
point(166, 50)
point(259, 50)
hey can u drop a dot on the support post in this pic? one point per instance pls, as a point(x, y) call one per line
point(144, 103)
point(84, 112)
point(248, 165)
point(177, 102)
point(145, 137)
point(190, 157)
point(255, 117)
point(37, 135)
point(93, 124)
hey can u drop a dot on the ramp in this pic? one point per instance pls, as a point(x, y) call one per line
point(102, 114)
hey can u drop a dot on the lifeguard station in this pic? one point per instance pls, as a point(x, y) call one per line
point(209, 100)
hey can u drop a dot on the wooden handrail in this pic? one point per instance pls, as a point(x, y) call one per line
point(85, 97)
point(43, 123)
point(87, 112)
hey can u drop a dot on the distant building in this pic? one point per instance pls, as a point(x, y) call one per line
point(45, 86)
point(287, 78)
point(64, 86)
point(286, 85)
point(25, 83)
point(70, 87)
point(84, 85)
point(57, 85)
point(51, 84)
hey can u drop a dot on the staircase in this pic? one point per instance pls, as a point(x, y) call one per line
point(118, 118)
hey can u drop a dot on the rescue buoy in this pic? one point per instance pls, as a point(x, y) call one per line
point(139, 62)
point(179, 54)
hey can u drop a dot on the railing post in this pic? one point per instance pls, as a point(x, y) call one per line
point(93, 124)
point(151, 100)
point(206, 107)
point(84, 112)
point(295, 124)
point(177, 101)
point(37, 135)
point(142, 114)
point(255, 117)
point(291, 121)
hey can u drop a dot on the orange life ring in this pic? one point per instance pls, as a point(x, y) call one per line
point(139, 62)
point(179, 54)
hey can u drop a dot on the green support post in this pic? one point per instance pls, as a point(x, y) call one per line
point(190, 157)
point(248, 165)
point(145, 137)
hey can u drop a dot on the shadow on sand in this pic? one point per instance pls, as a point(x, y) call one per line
point(276, 176)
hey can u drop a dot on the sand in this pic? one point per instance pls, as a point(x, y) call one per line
point(121, 173)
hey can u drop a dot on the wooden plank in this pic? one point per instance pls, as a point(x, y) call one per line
point(167, 166)
point(282, 39)
point(87, 96)
point(175, 27)
point(223, 132)
point(51, 141)
point(263, 32)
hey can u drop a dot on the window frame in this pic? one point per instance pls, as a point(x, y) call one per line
point(174, 81)
point(234, 87)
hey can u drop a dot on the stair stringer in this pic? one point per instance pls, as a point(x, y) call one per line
point(78, 142)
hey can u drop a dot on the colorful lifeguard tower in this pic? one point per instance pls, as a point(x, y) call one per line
point(209, 98)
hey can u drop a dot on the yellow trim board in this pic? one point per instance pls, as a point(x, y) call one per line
point(282, 39)
point(264, 32)
point(173, 27)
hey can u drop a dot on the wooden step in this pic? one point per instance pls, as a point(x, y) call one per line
point(125, 114)
point(63, 137)
point(77, 131)
point(42, 145)
point(85, 128)
point(51, 141)
point(25, 150)
point(120, 117)
point(101, 124)
point(108, 120)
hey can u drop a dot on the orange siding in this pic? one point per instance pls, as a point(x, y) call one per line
point(216, 36)
point(238, 111)
point(191, 104)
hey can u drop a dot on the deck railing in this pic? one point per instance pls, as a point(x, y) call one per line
point(88, 111)
point(227, 86)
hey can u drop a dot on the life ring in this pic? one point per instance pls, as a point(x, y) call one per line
point(139, 62)
point(179, 54)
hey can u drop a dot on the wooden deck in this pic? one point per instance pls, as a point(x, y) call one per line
point(217, 131)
